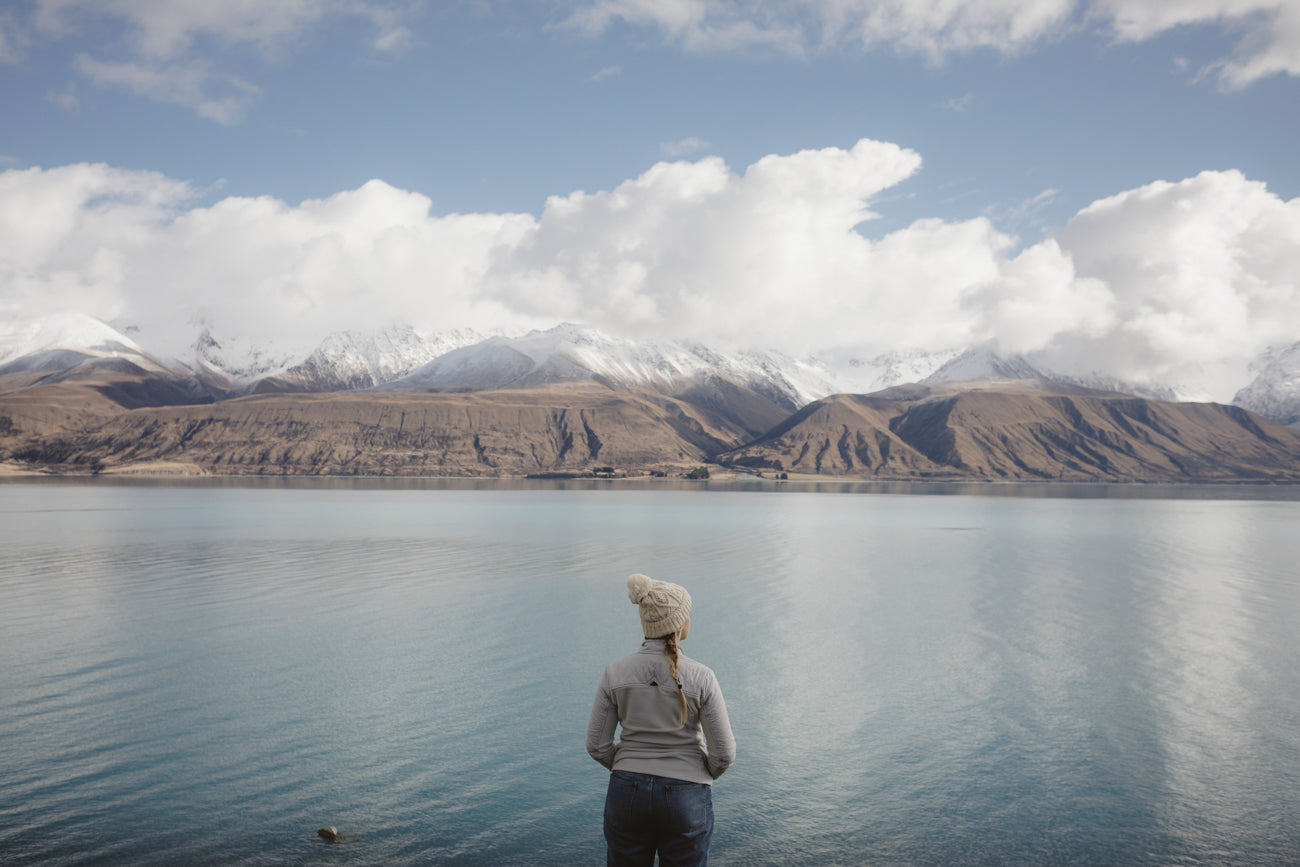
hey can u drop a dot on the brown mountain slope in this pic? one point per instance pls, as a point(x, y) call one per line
point(51, 410)
point(1024, 433)
point(1005, 431)
point(846, 434)
point(564, 429)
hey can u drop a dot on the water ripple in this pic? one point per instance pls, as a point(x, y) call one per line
point(206, 675)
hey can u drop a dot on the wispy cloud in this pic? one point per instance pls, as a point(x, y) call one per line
point(1270, 43)
point(188, 84)
point(66, 99)
point(606, 72)
point(932, 29)
point(682, 147)
point(961, 103)
point(696, 25)
point(180, 52)
point(1023, 214)
point(8, 51)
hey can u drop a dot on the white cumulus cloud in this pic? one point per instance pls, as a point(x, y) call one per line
point(1172, 281)
point(693, 249)
point(121, 245)
point(66, 233)
point(1205, 271)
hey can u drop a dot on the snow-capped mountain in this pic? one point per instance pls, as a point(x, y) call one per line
point(233, 362)
point(1275, 391)
point(572, 353)
point(1101, 382)
point(784, 380)
point(72, 347)
point(351, 360)
point(404, 358)
point(63, 341)
point(229, 365)
point(864, 376)
point(984, 365)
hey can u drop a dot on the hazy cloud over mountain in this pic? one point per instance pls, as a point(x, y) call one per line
point(781, 254)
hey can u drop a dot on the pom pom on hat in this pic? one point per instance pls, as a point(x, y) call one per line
point(664, 606)
point(638, 586)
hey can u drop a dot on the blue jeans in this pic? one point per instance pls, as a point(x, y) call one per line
point(645, 814)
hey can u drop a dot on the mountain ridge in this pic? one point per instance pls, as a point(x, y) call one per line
point(218, 368)
point(569, 400)
point(954, 431)
point(1042, 431)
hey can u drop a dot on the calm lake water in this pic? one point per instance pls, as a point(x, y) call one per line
point(206, 673)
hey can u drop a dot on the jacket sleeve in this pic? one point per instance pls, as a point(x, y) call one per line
point(720, 742)
point(602, 725)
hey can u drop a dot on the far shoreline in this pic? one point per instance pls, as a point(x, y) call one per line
point(717, 483)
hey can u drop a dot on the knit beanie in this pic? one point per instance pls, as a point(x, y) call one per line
point(664, 606)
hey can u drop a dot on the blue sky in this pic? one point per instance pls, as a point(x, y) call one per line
point(495, 106)
point(1022, 113)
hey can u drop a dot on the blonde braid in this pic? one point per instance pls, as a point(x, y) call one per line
point(673, 652)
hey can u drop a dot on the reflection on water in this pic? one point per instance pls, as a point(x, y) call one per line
point(206, 673)
point(1042, 490)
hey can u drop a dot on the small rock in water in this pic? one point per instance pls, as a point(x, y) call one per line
point(329, 832)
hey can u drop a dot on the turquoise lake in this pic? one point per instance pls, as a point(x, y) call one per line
point(207, 671)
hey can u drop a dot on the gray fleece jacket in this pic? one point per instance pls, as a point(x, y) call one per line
point(638, 692)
